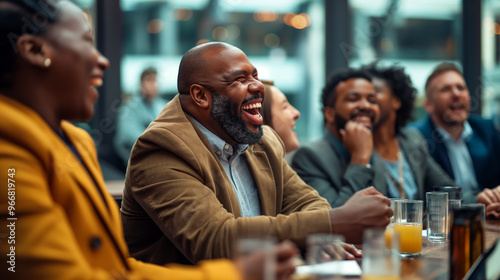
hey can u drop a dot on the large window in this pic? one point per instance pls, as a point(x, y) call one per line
point(415, 34)
point(283, 39)
point(491, 60)
point(286, 41)
point(88, 7)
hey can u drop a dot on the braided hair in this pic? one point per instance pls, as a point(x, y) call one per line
point(19, 17)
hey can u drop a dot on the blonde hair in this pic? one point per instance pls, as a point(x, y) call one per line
point(440, 69)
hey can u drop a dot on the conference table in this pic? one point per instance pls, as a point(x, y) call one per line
point(432, 264)
point(434, 261)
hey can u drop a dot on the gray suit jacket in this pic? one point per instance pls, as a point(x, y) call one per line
point(323, 166)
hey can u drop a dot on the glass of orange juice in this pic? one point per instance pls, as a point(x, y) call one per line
point(389, 230)
point(379, 261)
point(408, 224)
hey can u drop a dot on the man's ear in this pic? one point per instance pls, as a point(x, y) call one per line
point(428, 106)
point(200, 95)
point(33, 50)
point(329, 115)
point(396, 103)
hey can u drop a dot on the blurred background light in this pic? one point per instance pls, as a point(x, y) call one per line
point(155, 26)
point(234, 32)
point(265, 16)
point(220, 33)
point(184, 14)
point(300, 21)
point(271, 40)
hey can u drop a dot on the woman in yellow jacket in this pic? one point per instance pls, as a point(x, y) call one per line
point(56, 219)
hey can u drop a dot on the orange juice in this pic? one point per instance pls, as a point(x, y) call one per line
point(389, 231)
point(410, 235)
point(380, 277)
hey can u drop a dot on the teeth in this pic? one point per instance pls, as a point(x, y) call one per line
point(258, 116)
point(362, 118)
point(96, 82)
point(252, 106)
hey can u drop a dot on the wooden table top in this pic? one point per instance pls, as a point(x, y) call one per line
point(432, 264)
point(434, 261)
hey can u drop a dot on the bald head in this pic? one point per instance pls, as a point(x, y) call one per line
point(220, 88)
point(193, 63)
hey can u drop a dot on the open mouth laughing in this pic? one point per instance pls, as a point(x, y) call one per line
point(251, 111)
point(96, 81)
point(458, 107)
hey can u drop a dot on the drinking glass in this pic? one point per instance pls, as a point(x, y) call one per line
point(453, 192)
point(250, 245)
point(437, 216)
point(466, 239)
point(408, 224)
point(481, 208)
point(323, 248)
point(389, 230)
point(454, 200)
point(379, 261)
point(477, 228)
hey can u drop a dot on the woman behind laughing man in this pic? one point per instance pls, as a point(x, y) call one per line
point(279, 114)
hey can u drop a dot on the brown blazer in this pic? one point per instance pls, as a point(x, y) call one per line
point(177, 197)
point(64, 227)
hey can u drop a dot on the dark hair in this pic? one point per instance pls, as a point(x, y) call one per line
point(441, 68)
point(147, 72)
point(266, 105)
point(19, 17)
point(329, 95)
point(401, 86)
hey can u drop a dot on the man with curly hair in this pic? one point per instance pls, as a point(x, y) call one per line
point(409, 169)
point(341, 163)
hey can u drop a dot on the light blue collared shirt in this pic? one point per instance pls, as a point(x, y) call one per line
point(460, 159)
point(237, 171)
point(409, 186)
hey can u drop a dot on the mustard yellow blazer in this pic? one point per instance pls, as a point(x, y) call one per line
point(61, 226)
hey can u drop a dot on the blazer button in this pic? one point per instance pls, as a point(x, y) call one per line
point(95, 243)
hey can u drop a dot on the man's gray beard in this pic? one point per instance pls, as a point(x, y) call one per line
point(232, 125)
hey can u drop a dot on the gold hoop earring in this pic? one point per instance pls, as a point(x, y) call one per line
point(47, 62)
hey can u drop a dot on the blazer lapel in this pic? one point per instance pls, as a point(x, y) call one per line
point(106, 209)
point(229, 198)
point(379, 180)
point(415, 165)
point(264, 179)
point(477, 152)
point(437, 147)
point(342, 156)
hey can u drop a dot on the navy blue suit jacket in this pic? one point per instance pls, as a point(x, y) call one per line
point(484, 149)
